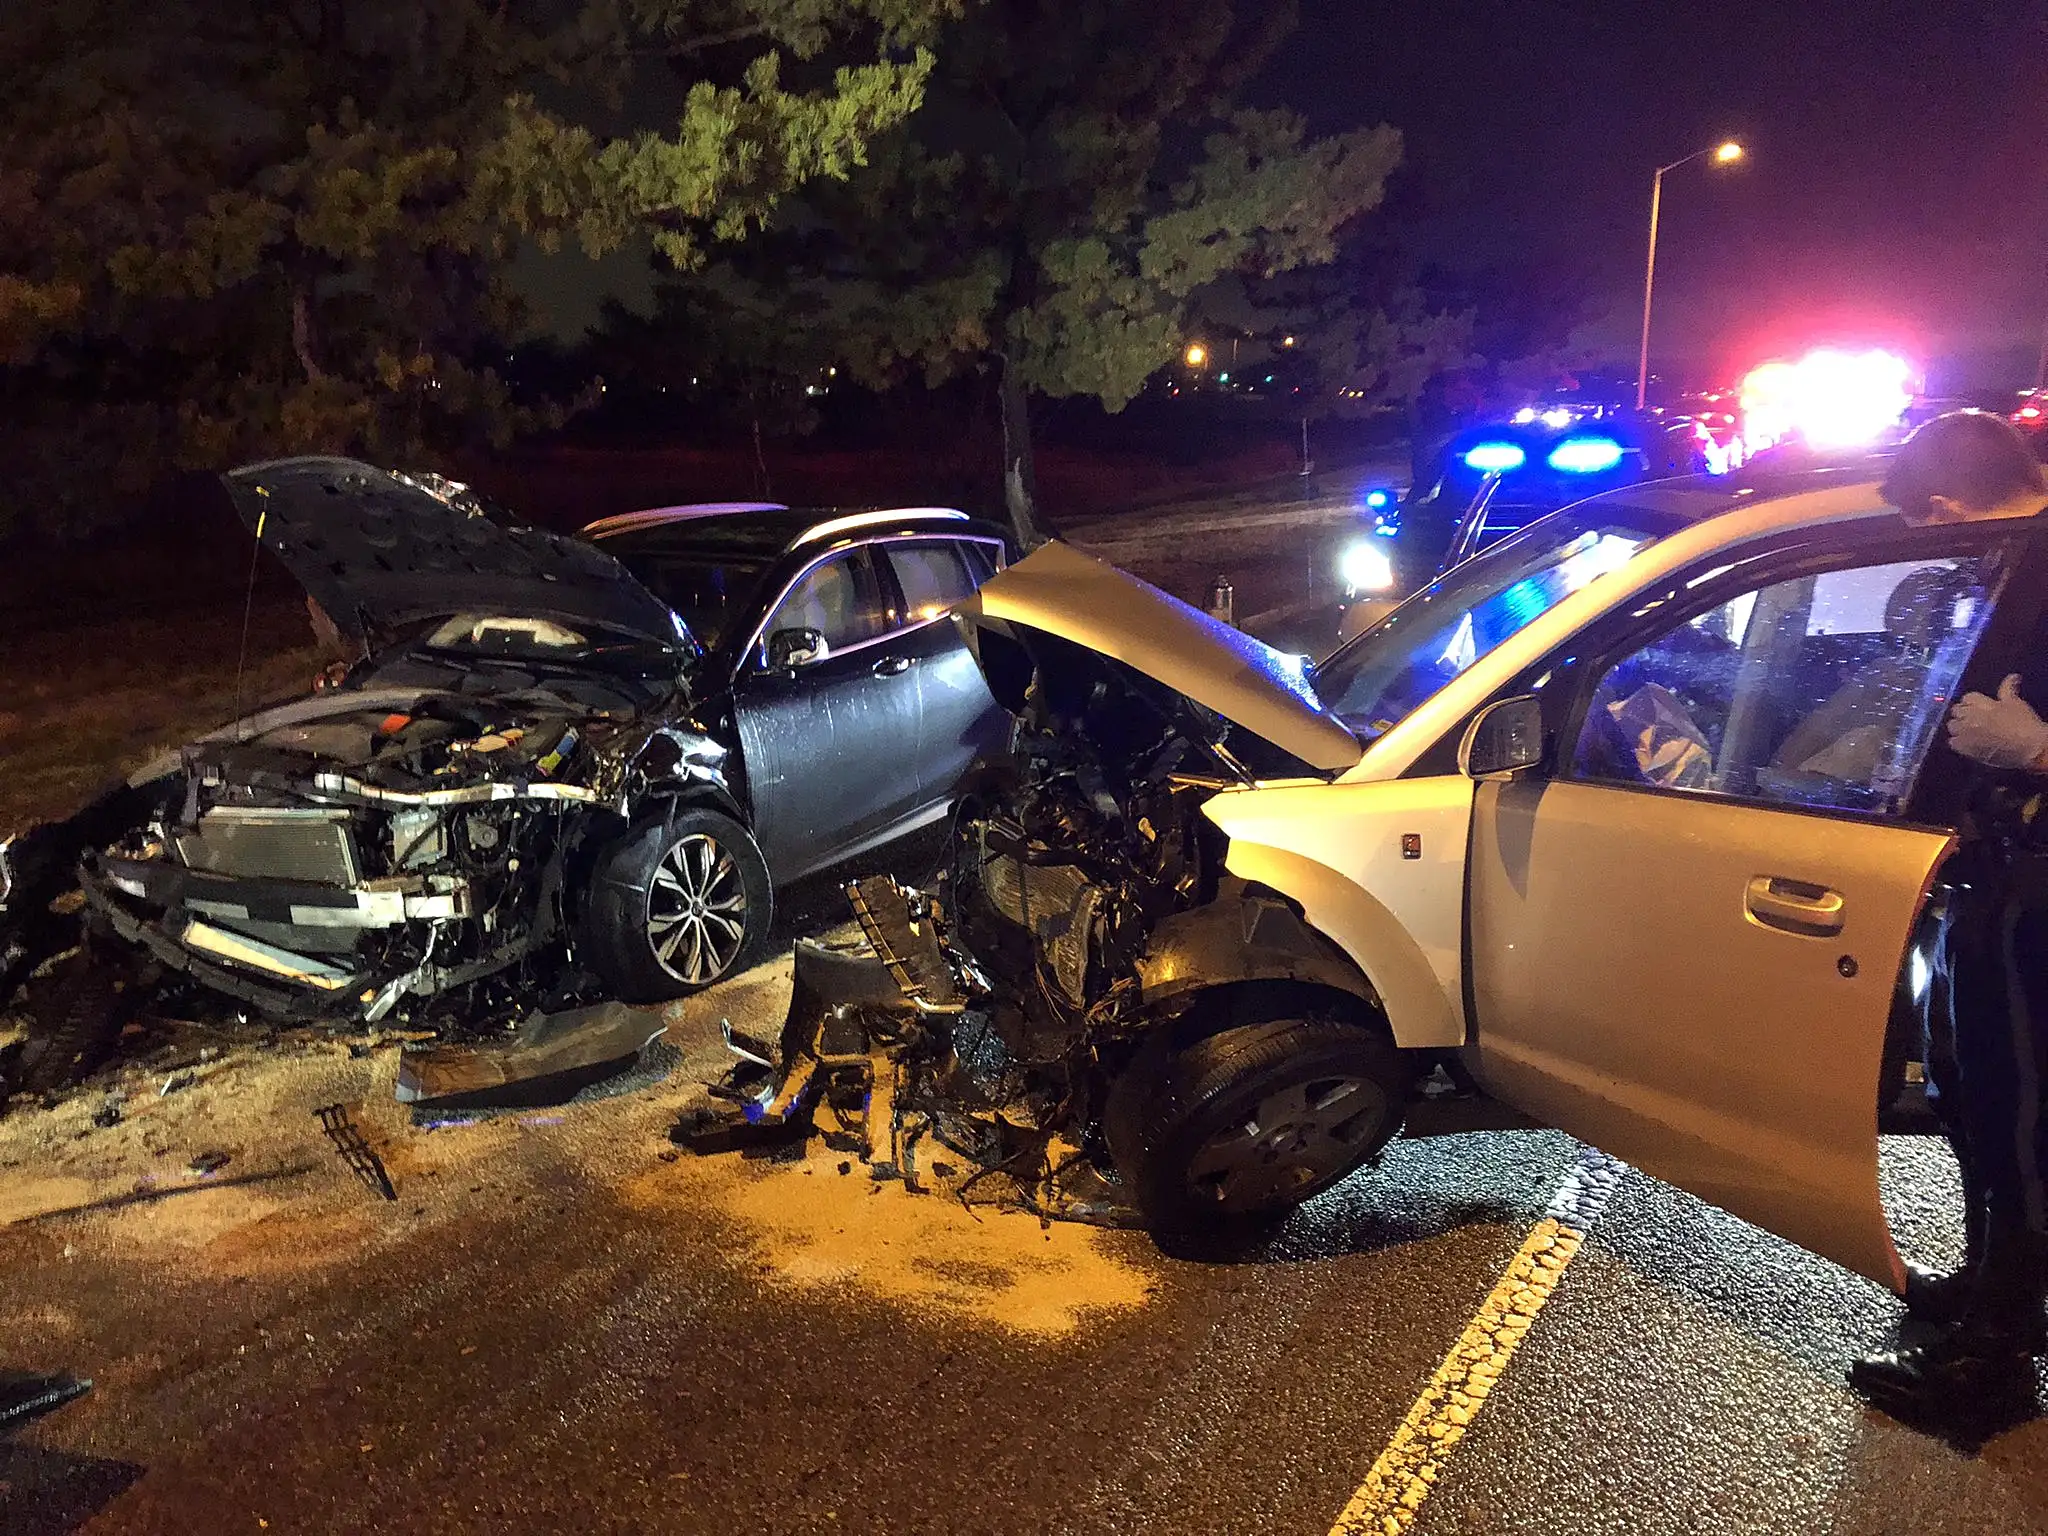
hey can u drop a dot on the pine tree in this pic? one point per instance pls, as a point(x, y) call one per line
point(1081, 173)
point(237, 229)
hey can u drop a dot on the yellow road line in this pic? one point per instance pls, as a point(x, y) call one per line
point(1391, 1496)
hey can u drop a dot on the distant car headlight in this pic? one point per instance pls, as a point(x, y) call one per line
point(1365, 567)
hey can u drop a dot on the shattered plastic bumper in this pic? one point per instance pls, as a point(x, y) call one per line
point(772, 1093)
point(288, 984)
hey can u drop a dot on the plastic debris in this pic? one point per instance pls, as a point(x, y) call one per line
point(360, 1156)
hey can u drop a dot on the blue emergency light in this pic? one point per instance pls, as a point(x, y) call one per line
point(1495, 458)
point(1585, 455)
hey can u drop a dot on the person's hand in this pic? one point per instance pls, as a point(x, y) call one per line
point(2000, 733)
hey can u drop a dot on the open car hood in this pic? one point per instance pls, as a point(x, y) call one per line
point(1060, 591)
point(375, 550)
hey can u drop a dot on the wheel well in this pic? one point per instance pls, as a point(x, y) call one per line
point(688, 796)
point(1231, 1004)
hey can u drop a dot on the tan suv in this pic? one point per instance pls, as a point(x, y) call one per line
point(1637, 812)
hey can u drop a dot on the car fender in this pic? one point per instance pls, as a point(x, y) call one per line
point(680, 766)
point(1379, 870)
point(1243, 935)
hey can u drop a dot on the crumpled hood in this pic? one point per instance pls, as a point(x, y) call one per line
point(376, 550)
point(1060, 591)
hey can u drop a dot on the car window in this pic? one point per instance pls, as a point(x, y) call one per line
point(1824, 690)
point(983, 558)
point(840, 599)
point(933, 577)
point(1384, 675)
point(711, 592)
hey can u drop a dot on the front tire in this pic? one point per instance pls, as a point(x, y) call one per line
point(1278, 1097)
point(76, 1015)
point(676, 903)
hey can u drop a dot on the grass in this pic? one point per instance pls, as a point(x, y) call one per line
point(82, 706)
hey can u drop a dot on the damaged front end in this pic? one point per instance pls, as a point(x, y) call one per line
point(891, 1055)
point(1088, 991)
point(385, 858)
point(422, 846)
point(367, 864)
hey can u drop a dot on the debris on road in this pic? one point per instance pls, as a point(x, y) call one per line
point(883, 1047)
point(25, 1396)
point(360, 1156)
point(547, 1060)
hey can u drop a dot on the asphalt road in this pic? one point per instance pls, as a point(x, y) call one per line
point(564, 1325)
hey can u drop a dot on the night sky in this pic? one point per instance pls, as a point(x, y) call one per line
point(1896, 188)
point(1895, 191)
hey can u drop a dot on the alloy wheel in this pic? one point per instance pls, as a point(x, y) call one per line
point(1295, 1138)
point(696, 910)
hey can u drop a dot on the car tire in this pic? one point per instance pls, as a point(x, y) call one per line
point(677, 902)
point(1279, 1094)
point(75, 1017)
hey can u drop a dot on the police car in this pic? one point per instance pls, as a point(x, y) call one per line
point(1497, 478)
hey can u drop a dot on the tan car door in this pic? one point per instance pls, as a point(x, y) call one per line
point(1700, 988)
point(1684, 944)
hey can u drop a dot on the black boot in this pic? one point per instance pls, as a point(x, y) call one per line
point(1934, 1297)
point(1964, 1381)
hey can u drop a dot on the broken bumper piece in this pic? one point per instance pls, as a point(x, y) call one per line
point(772, 1093)
point(372, 904)
point(182, 917)
point(551, 1056)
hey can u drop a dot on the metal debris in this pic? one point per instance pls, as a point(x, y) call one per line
point(550, 1057)
point(360, 1156)
point(24, 1396)
point(880, 1059)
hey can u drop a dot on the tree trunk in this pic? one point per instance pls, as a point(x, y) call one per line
point(1020, 478)
point(761, 460)
point(302, 337)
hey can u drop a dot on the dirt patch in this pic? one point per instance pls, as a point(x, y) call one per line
point(807, 1224)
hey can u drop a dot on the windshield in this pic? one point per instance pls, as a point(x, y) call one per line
point(710, 589)
point(1372, 684)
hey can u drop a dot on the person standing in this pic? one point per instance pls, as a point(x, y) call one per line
point(1987, 1012)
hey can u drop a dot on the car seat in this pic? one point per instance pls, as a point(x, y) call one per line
point(1921, 612)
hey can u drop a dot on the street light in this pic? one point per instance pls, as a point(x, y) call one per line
point(1196, 354)
point(1724, 154)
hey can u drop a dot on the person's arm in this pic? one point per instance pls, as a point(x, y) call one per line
point(2001, 732)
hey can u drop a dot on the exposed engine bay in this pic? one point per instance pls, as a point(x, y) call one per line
point(415, 858)
point(365, 864)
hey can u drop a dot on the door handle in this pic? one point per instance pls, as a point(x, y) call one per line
point(891, 666)
point(1793, 906)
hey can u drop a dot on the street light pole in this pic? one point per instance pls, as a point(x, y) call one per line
point(1724, 154)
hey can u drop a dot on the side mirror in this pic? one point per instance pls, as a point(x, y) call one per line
point(1506, 739)
point(791, 648)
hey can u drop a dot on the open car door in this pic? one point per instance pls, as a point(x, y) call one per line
point(1701, 989)
point(1685, 941)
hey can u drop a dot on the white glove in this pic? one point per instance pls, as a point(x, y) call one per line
point(2000, 733)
